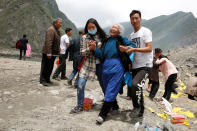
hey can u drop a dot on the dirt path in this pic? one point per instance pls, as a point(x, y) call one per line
point(25, 105)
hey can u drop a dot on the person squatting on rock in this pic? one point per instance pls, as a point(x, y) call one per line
point(23, 46)
point(93, 34)
point(143, 61)
point(113, 70)
point(50, 50)
point(64, 43)
point(74, 49)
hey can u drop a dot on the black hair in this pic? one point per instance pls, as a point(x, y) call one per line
point(158, 50)
point(135, 12)
point(67, 30)
point(100, 31)
point(81, 32)
point(24, 36)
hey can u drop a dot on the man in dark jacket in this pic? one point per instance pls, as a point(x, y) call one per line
point(51, 49)
point(23, 46)
point(74, 52)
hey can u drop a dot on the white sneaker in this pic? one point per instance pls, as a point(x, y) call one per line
point(99, 120)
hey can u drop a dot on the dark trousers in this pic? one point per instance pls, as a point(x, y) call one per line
point(139, 78)
point(107, 106)
point(61, 67)
point(169, 86)
point(128, 91)
point(154, 88)
point(99, 72)
point(21, 53)
point(46, 68)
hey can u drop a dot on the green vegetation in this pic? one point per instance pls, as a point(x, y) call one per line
point(31, 17)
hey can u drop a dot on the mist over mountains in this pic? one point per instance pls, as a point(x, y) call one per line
point(33, 17)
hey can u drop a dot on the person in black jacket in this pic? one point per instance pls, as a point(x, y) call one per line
point(74, 54)
point(23, 46)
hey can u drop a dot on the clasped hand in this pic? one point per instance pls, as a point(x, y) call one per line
point(126, 49)
point(92, 45)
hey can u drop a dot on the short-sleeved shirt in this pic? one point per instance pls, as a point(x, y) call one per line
point(140, 38)
point(64, 40)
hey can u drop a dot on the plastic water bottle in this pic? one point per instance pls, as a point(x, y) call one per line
point(144, 123)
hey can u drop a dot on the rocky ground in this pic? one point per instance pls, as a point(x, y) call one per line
point(25, 105)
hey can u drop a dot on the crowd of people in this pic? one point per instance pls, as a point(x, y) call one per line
point(97, 55)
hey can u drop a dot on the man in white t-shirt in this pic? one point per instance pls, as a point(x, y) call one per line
point(143, 61)
point(64, 43)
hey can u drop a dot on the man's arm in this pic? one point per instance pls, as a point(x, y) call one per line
point(49, 42)
point(148, 48)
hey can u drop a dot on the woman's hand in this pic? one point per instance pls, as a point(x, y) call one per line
point(123, 48)
point(92, 45)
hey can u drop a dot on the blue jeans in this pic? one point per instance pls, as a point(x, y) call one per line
point(81, 82)
point(72, 75)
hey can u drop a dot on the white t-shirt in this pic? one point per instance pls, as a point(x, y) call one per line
point(140, 38)
point(64, 40)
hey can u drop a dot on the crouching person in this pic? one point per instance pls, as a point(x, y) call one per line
point(113, 70)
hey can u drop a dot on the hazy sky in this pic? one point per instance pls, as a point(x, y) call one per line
point(108, 12)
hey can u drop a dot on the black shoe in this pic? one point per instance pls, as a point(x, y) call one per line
point(135, 113)
point(56, 78)
point(76, 109)
point(191, 97)
point(69, 82)
point(50, 82)
point(45, 83)
point(174, 91)
point(114, 112)
point(64, 78)
point(150, 98)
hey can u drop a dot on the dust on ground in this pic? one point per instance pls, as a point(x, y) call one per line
point(25, 105)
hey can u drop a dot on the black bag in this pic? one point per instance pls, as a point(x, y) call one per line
point(126, 61)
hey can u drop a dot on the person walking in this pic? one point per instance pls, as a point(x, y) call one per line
point(93, 34)
point(23, 47)
point(61, 68)
point(76, 58)
point(113, 69)
point(143, 61)
point(50, 50)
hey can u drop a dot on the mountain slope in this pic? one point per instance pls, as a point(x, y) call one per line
point(31, 17)
point(170, 31)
